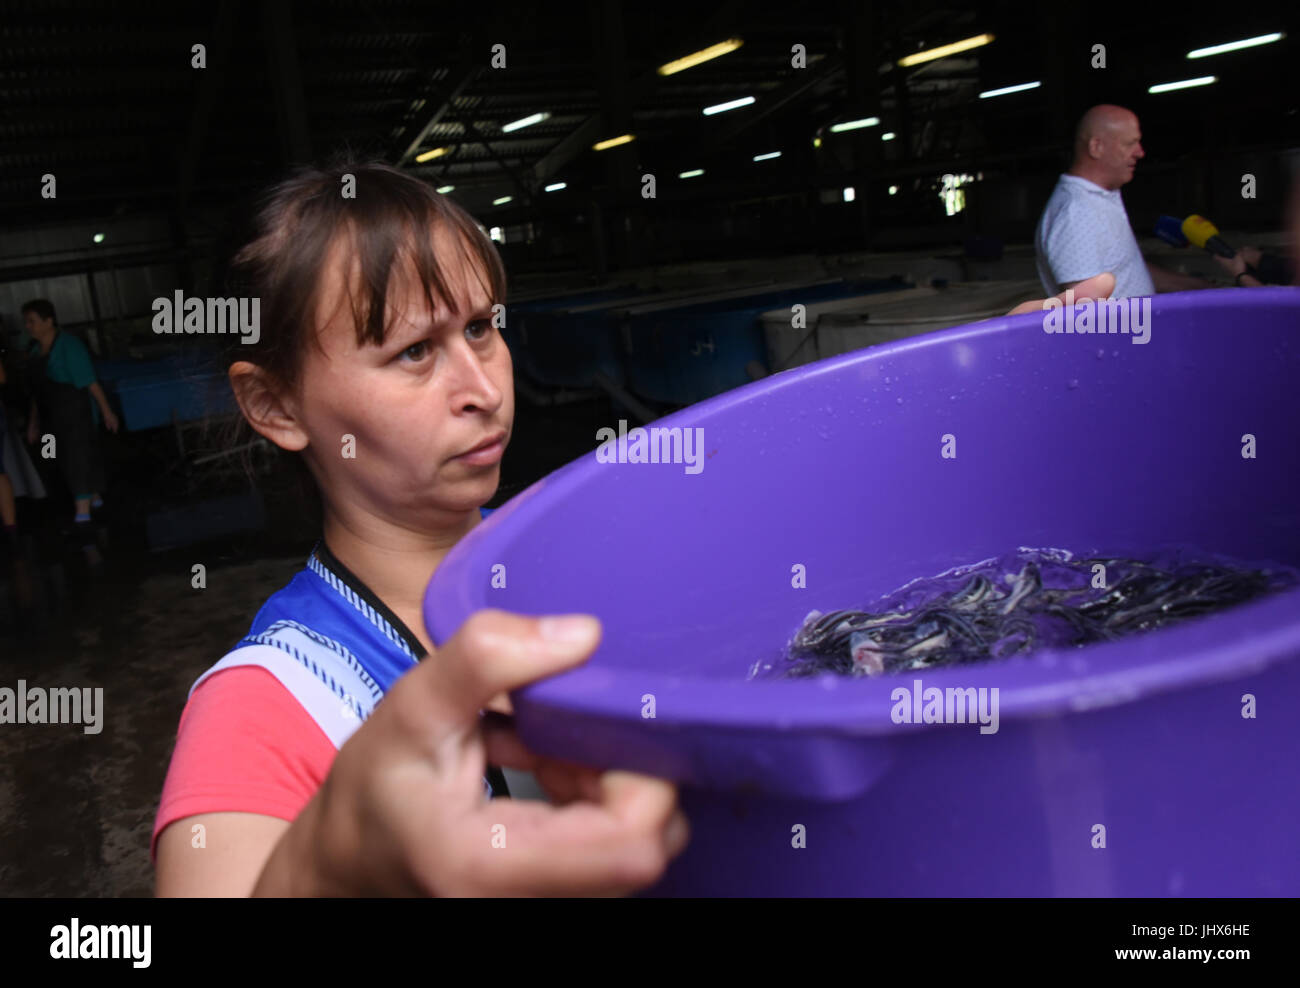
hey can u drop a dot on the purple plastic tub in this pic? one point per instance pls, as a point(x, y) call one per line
point(1082, 442)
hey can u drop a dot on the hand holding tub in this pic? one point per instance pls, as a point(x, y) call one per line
point(402, 810)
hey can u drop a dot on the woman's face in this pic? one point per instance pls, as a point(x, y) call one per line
point(418, 409)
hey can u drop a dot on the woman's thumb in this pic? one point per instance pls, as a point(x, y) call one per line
point(495, 652)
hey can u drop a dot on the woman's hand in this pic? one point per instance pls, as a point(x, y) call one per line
point(402, 811)
point(1098, 286)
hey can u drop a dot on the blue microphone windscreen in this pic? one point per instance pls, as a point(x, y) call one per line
point(1170, 230)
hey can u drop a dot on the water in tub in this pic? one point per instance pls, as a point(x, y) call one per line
point(1013, 605)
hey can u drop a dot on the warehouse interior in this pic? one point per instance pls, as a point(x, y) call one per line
point(813, 143)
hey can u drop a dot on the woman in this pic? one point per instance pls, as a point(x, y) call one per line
point(378, 362)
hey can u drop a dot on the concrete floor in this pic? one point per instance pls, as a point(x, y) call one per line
point(77, 809)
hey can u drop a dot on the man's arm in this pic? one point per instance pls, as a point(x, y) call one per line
point(1098, 286)
point(1239, 264)
point(82, 373)
point(1171, 281)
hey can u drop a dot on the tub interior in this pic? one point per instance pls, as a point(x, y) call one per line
point(1095, 444)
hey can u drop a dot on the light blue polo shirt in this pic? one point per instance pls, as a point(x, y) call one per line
point(1084, 231)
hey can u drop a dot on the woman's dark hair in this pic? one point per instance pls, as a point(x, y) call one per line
point(387, 217)
point(41, 306)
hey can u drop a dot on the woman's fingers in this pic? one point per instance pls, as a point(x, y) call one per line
point(566, 782)
point(562, 781)
point(504, 746)
point(615, 845)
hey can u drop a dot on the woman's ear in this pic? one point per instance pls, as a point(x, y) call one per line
point(265, 407)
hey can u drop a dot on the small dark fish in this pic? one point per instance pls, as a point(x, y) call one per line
point(1026, 583)
point(1048, 601)
point(973, 594)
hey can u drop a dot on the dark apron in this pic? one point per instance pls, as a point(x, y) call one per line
point(66, 414)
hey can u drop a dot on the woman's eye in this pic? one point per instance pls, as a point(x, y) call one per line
point(416, 351)
point(479, 329)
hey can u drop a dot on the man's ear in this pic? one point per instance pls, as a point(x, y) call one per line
point(265, 407)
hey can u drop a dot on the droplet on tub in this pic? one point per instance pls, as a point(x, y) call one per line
point(899, 400)
point(1074, 383)
point(1100, 354)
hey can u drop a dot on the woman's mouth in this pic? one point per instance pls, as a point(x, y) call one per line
point(485, 453)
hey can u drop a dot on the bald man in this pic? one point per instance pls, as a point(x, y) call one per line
point(1085, 229)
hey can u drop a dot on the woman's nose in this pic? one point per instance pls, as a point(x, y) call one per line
point(475, 382)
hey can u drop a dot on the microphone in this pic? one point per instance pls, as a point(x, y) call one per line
point(1170, 230)
point(1201, 232)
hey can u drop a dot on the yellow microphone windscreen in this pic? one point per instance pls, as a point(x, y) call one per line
point(1198, 230)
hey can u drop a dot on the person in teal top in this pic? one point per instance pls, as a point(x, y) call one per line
point(64, 383)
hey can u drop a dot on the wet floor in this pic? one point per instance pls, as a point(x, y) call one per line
point(76, 809)
point(101, 610)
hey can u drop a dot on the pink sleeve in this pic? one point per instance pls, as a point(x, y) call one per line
point(244, 744)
